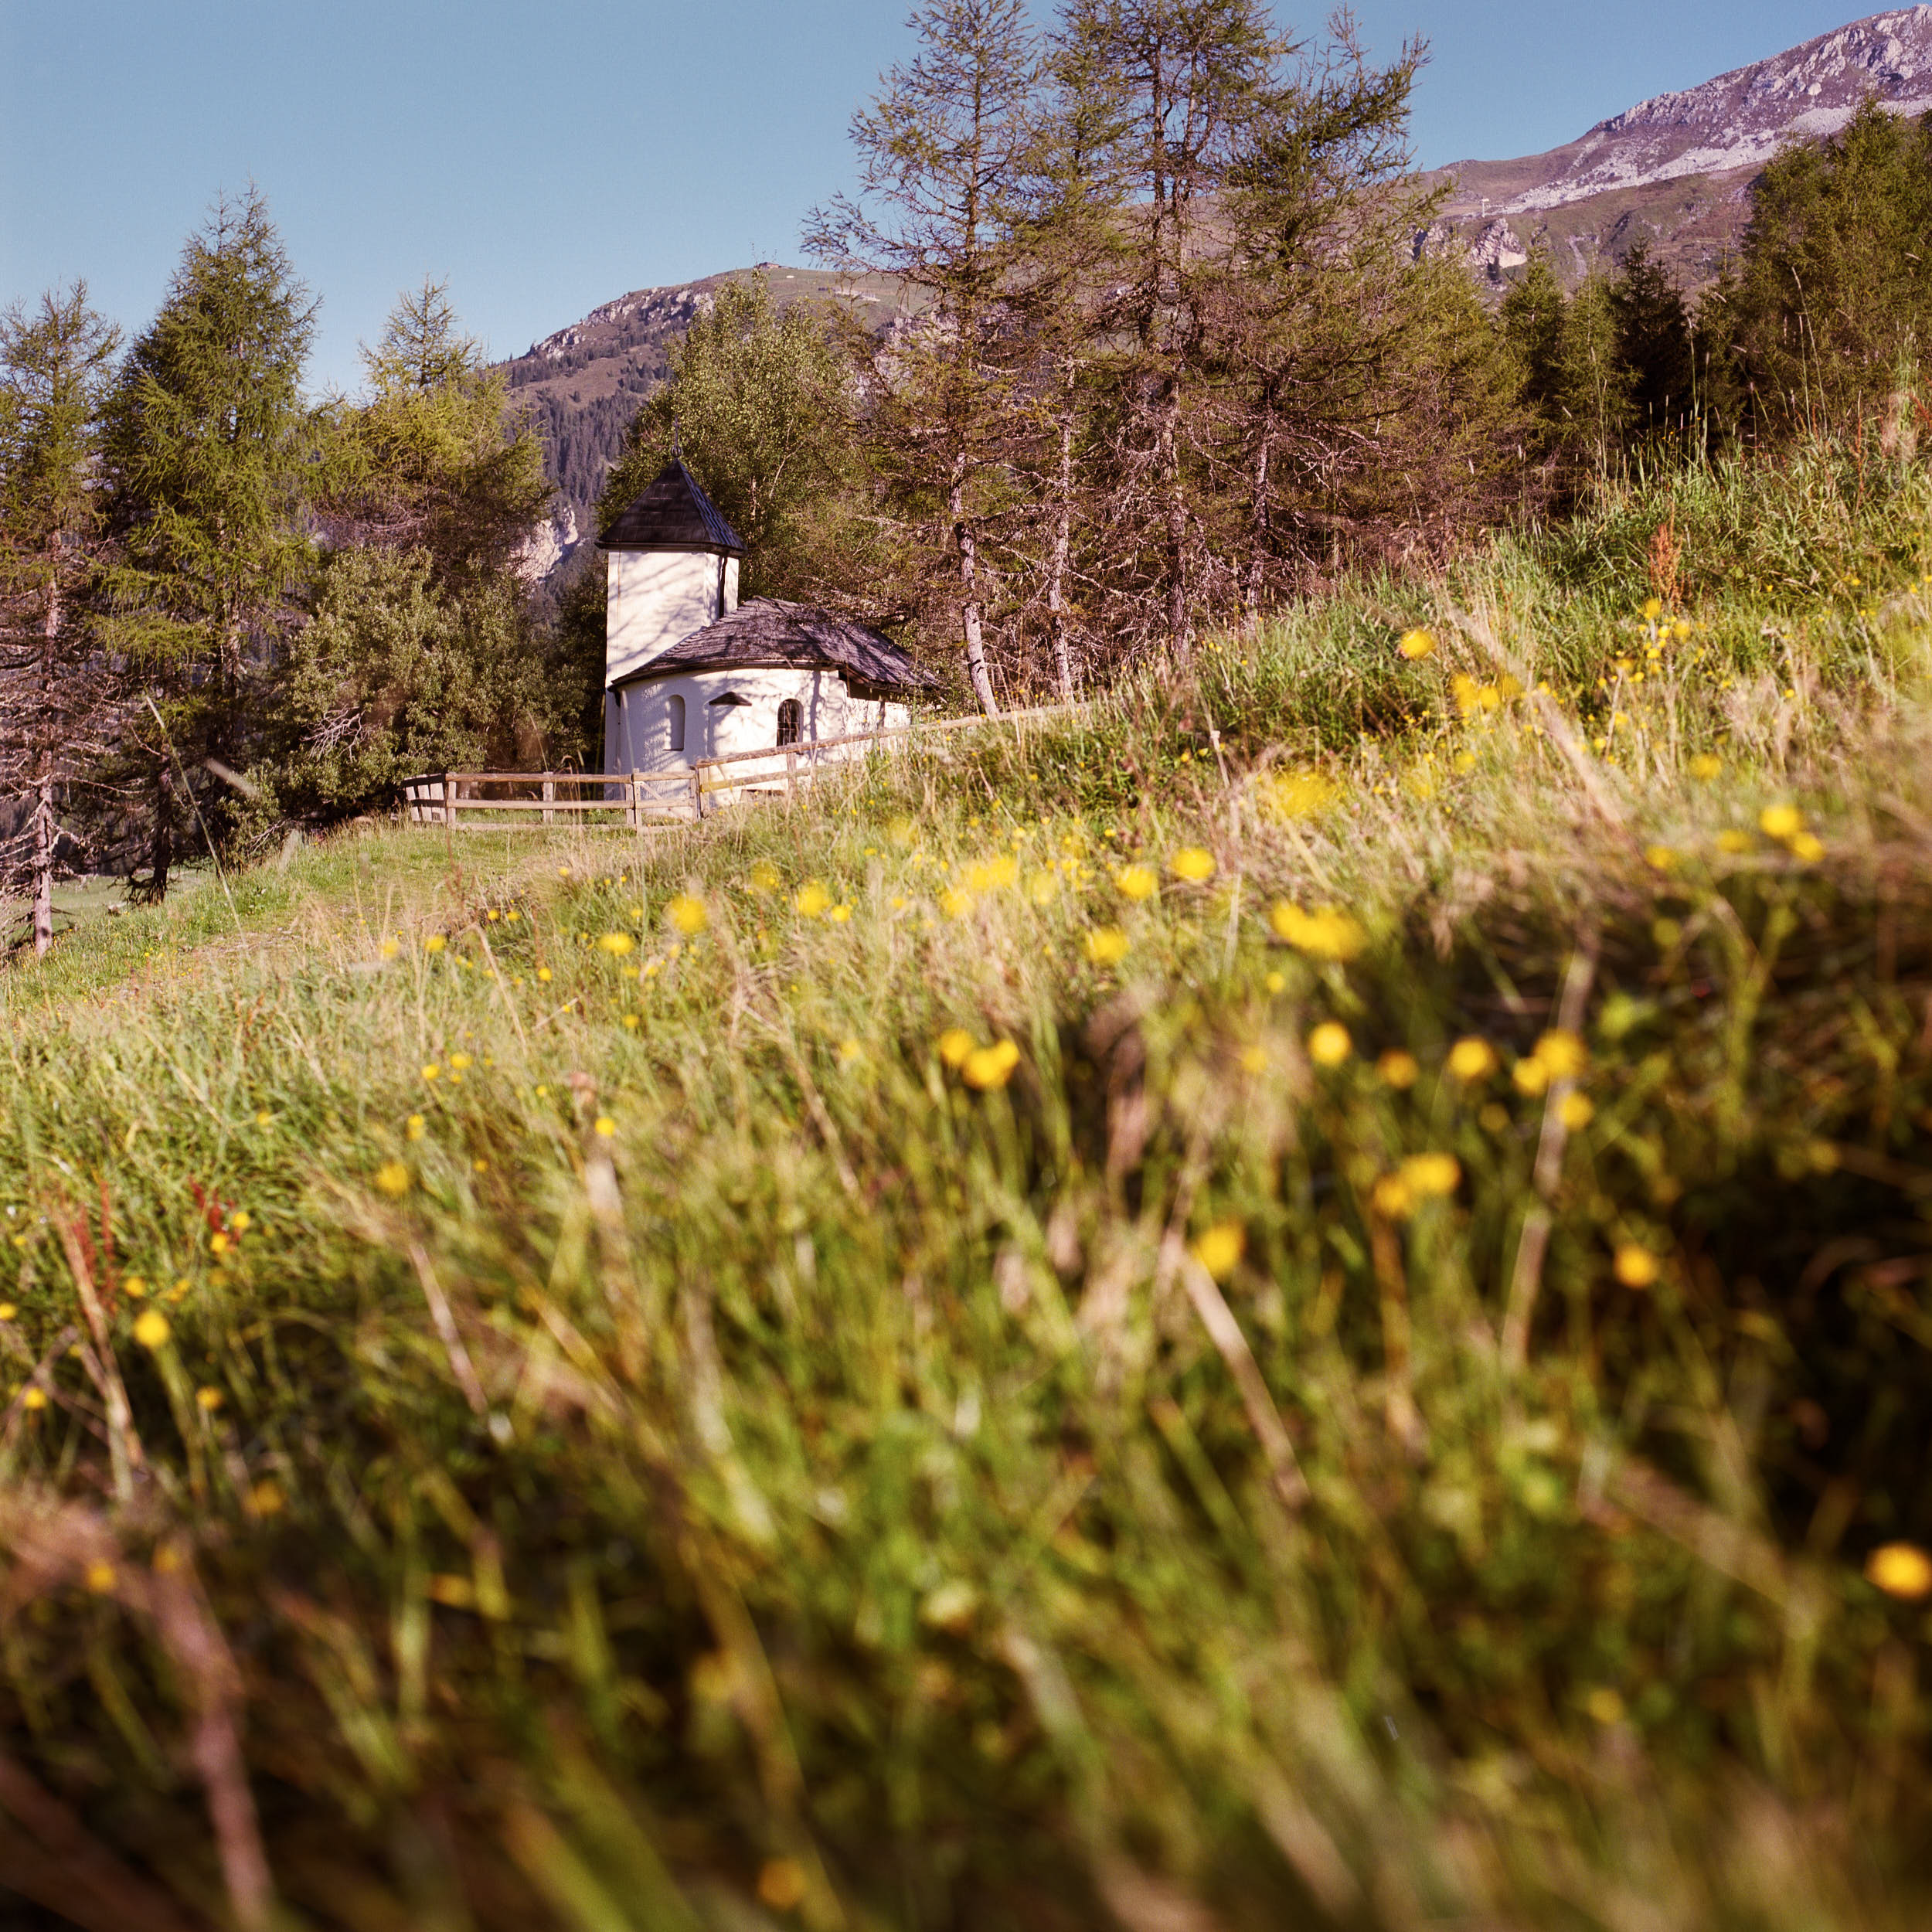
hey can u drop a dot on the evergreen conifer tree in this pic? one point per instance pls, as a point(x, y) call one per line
point(208, 438)
point(57, 686)
point(1653, 337)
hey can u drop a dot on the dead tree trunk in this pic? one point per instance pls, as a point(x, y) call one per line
point(1056, 569)
point(968, 547)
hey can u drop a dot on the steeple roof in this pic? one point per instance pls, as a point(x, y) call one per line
point(673, 514)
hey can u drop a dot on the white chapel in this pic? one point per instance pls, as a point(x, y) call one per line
point(691, 673)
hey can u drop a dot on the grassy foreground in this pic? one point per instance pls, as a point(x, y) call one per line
point(1305, 1302)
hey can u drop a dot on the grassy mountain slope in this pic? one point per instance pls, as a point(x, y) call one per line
point(1301, 1300)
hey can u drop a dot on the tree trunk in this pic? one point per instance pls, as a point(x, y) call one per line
point(1179, 633)
point(1056, 573)
point(43, 849)
point(161, 851)
point(1258, 556)
point(969, 582)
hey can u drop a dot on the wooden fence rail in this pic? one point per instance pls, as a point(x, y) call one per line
point(480, 799)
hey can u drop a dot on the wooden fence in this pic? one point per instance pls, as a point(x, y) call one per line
point(472, 801)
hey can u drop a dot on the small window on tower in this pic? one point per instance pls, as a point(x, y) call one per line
point(677, 724)
point(791, 719)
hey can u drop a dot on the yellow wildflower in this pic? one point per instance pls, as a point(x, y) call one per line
point(33, 1399)
point(1416, 644)
point(543, 974)
point(1706, 766)
point(1398, 1069)
point(459, 1061)
point(1107, 945)
point(134, 1287)
point(812, 900)
point(393, 1179)
point(1192, 864)
point(218, 1243)
point(617, 945)
point(1635, 1266)
point(1329, 1044)
point(1562, 1055)
point(432, 1072)
point(1653, 609)
point(987, 1067)
point(1530, 1075)
point(839, 914)
point(1253, 1060)
point(1806, 847)
point(991, 875)
point(434, 944)
point(1299, 795)
point(100, 1577)
point(1901, 1570)
point(1327, 933)
point(1136, 882)
point(208, 1400)
point(1733, 841)
point(1660, 858)
point(1781, 822)
point(1220, 1248)
point(1472, 1058)
point(1576, 1112)
point(1433, 1174)
point(151, 1329)
point(413, 1127)
point(8, 1311)
point(605, 1126)
point(1392, 1197)
point(389, 949)
point(782, 1884)
point(763, 877)
point(688, 914)
point(848, 1051)
point(954, 1044)
point(954, 903)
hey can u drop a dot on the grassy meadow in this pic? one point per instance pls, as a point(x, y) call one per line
point(1302, 1299)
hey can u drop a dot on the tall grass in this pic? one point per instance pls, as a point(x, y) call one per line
point(855, 1364)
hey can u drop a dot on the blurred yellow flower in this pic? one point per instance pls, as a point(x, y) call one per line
point(1041, 887)
point(1530, 1075)
point(848, 1051)
point(33, 1399)
point(1433, 1174)
point(1660, 858)
point(1576, 1112)
point(812, 900)
point(1107, 945)
point(151, 1329)
point(839, 914)
point(1136, 882)
point(991, 875)
point(1781, 822)
point(1561, 1054)
point(432, 1072)
point(240, 1221)
point(763, 876)
point(617, 945)
point(986, 1067)
point(1253, 1060)
point(1472, 1058)
point(1416, 644)
point(543, 974)
point(1635, 1266)
point(1299, 795)
point(1275, 982)
point(393, 1178)
point(1329, 1044)
point(100, 1577)
point(1465, 761)
point(1806, 847)
point(1901, 1570)
point(389, 949)
point(782, 1884)
point(1398, 1069)
point(1392, 1197)
point(954, 1044)
point(1605, 1706)
point(1706, 767)
point(133, 1286)
point(218, 1243)
point(605, 1126)
point(954, 903)
point(434, 944)
point(8, 1311)
point(413, 1127)
point(1192, 864)
point(688, 914)
point(460, 1061)
point(1653, 609)
point(1220, 1248)
point(1733, 841)
point(208, 1400)
point(1327, 933)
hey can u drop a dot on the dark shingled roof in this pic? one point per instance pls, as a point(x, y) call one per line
point(673, 514)
point(767, 631)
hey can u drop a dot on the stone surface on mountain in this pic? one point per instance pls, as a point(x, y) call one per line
point(1675, 171)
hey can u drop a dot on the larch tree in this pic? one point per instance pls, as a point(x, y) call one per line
point(1194, 86)
point(57, 683)
point(946, 157)
point(208, 449)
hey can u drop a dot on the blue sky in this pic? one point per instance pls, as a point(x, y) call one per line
point(546, 159)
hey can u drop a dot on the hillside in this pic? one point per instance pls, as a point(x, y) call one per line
point(1298, 1300)
point(1675, 171)
point(583, 384)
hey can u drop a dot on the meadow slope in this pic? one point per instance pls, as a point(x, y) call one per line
point(1301, 1300)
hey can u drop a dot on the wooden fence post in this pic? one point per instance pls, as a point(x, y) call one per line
point(549, 798)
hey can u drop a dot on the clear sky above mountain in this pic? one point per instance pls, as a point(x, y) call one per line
point(545, 159)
